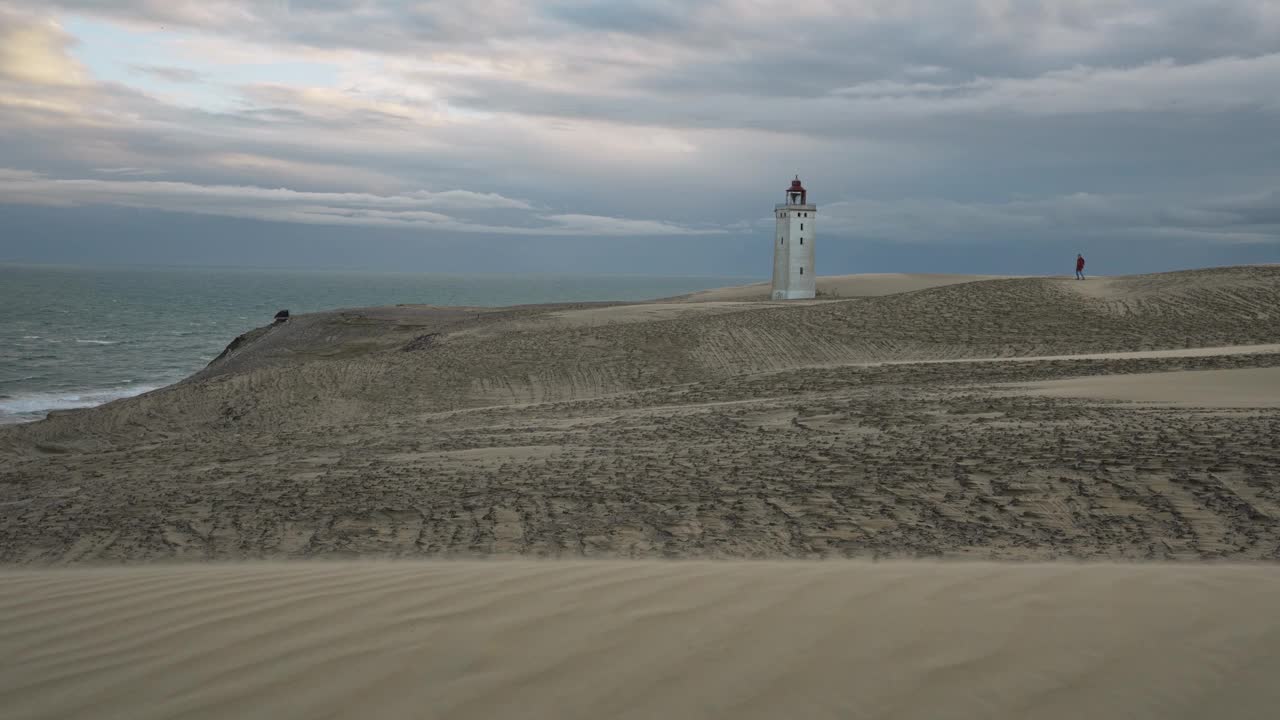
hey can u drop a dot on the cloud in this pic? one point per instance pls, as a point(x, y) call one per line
point(127, 171)
point(419, 208)
point(170, 74)
point(34, 51)
point(632, 17)
point(1252, 218)
point(598, 225)
point(265, 168)
point(159, 193)
point(912, 121)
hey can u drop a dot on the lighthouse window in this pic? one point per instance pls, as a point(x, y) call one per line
point(802, 270)
point(801, 226)
point(779, 241)
point(802, 240)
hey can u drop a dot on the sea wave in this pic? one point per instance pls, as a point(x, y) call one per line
point(25, 407)
point(98, 342)
point(21, 378)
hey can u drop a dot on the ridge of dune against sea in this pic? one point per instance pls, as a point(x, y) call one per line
point(77, 337)
point(953, 420)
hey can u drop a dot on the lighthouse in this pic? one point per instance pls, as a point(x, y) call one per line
point(793, 274)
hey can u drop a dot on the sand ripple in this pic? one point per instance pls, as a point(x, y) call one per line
point(640, 640)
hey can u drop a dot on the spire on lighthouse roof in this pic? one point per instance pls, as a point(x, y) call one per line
point(796, 194)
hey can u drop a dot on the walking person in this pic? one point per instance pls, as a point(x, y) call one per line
point(1079, 267)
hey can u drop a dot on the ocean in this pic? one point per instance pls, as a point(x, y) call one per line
point(73, 337)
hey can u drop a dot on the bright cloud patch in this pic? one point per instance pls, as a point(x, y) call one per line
point(33, 51)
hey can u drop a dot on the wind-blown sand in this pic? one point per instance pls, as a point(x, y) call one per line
point(1024, 419)
point(640, 640)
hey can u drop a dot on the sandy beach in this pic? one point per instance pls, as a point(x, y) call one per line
point(711, 506)
point(640, 640)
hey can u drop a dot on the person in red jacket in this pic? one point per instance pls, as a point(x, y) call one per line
point(1079, 267)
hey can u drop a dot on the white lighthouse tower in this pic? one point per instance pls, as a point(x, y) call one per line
point(793, 275)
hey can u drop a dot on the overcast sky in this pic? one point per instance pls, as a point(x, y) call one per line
point(640, 135)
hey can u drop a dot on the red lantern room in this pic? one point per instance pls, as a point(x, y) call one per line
point(796, 193)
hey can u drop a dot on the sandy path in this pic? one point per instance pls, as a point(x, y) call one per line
point(1198, 352)
point(641, 640)
point(1256, 387)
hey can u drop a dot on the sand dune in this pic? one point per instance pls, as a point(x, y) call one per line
point(884, 426)
point(640, 640)
point(832, 287)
